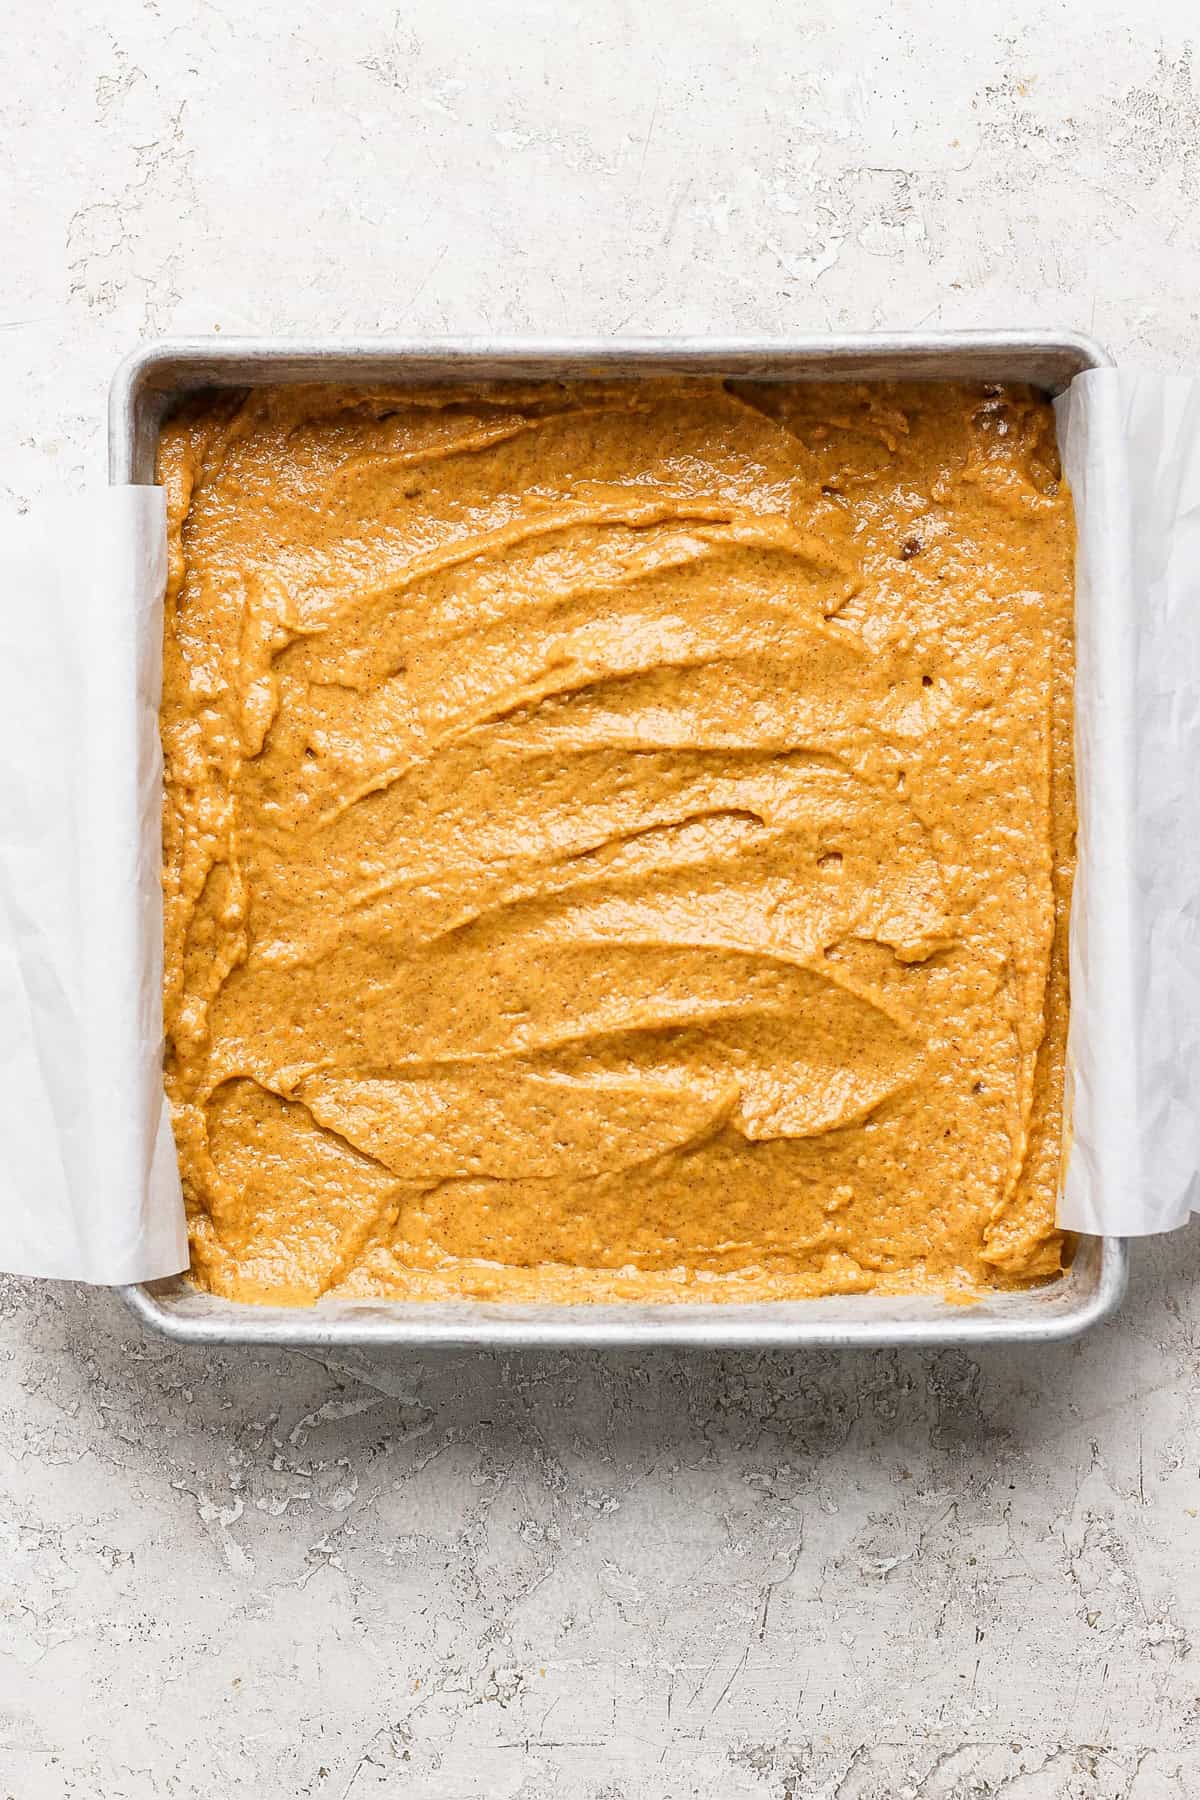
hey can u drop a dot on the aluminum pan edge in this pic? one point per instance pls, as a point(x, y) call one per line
point(146, 381)
point(144, 386)
point(1089, 1293)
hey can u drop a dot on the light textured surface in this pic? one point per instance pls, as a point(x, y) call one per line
point(865, 1578)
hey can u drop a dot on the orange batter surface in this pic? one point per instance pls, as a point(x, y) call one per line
point(618, 839)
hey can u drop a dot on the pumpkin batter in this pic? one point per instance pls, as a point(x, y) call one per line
point(618, 838)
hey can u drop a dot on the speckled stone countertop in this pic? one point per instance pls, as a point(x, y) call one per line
point(869, 1577)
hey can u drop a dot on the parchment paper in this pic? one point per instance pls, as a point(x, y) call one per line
point(89, 1189)
point(1131, 450)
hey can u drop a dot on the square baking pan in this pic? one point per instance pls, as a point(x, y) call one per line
point(145, 388)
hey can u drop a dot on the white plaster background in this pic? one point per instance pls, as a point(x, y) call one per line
point(870, 1577)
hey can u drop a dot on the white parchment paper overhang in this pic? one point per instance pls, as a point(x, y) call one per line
point(1131, 451)
point(89, 1188)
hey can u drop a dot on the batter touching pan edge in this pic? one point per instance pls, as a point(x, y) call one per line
point(618, 839)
